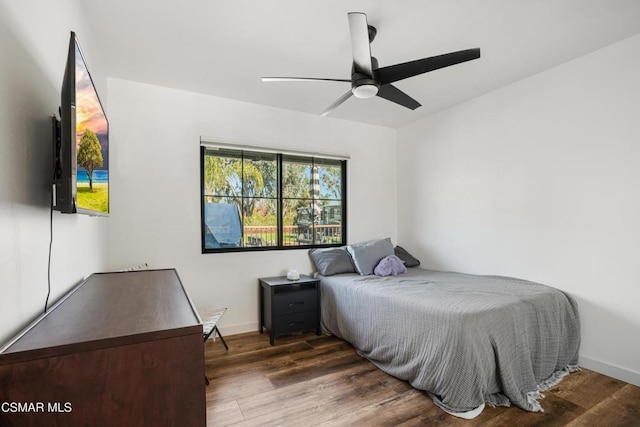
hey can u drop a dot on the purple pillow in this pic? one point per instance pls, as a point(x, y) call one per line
point(390, 266)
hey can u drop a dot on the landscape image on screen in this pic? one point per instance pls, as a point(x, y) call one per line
point(92, 144)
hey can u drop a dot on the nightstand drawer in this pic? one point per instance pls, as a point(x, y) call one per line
point(295, 302)
point(296, 322)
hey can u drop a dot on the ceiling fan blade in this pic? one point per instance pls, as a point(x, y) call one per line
point(360, 47)
point(301, 79)
point(393, 73)
point(339, 101)
point(393, 94)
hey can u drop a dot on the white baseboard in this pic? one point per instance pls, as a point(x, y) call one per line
point(610, 370)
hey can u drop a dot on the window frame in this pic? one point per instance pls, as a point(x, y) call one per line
point(280, 158)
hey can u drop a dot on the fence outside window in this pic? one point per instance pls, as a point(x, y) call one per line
point(260, 201)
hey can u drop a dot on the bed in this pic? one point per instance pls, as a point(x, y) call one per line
point(467, 340)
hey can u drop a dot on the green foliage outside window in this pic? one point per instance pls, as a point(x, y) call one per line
point(281, 201)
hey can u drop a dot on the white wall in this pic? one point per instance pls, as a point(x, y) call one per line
point(155, 187)
point(540, 180)
point(34, 39)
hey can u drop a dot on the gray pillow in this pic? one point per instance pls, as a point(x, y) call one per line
point(367, 255)
point(330, 261)
point(408, 259)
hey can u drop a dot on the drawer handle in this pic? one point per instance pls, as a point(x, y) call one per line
point(296, 323)
point(291, 304)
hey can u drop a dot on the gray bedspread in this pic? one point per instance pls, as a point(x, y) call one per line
point(467, 340)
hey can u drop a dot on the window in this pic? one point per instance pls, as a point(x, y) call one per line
point(258, 201)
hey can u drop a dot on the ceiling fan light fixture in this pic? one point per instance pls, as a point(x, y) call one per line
point(365, 91)
point(368, 80)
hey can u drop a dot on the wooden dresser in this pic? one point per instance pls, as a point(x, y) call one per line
point(121, 348)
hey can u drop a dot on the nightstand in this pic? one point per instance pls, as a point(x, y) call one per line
point(289, 305)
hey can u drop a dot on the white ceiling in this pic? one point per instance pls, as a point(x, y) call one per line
point(222, 48)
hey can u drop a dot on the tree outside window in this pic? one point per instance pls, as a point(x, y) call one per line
point(254, 200)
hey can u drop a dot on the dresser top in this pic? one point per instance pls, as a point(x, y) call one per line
point(109, 309)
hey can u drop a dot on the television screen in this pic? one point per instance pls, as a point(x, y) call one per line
point(92, 143)
point(81, 153)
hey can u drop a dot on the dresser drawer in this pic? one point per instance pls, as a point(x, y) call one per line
point(296, 322)
point(295, 302)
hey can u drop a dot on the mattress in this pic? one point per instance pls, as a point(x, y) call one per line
point(467, 340)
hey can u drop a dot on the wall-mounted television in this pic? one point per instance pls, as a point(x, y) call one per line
point(81, 142)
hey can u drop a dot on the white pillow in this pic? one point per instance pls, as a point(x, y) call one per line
point(367, 255)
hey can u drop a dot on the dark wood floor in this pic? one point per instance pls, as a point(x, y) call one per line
point(309, 380)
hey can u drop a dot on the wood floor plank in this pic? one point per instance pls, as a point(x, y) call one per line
point(310, 380)
point(586, 388)
point(323, 388)
point(327, 350)
point(557, 412)
point(621, 410)
point(628, 394)
point(224, 413)
point(318, 400)
point(321, 341)
point(236, 387)
point(388, 412)
point(400, 386)
point(314, 368)
point(266, 366)
point(240, 343)
point(241, 358)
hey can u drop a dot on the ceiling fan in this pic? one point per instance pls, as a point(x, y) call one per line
point(367, 80)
